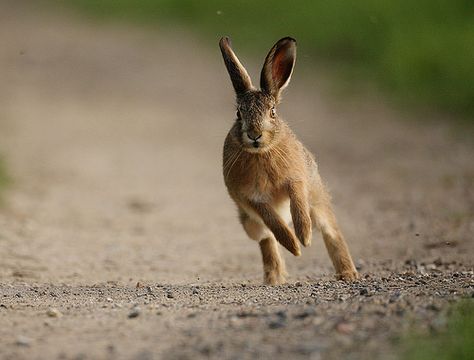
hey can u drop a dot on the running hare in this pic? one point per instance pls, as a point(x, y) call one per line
point(270, 175)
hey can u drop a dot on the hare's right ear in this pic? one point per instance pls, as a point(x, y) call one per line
point(278, 67)
point(238, 75)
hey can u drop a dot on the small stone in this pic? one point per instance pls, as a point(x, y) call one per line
point(438, 262)
point(298, 284)
point(318, 320)
point(364, 292)
point(109, 299)
point(433, 307)
point(360, 264)
point(195, 292)
point(54, 313)
point(411, 262)
point(23, 341)
point(277, 324)
point(304, 314)
point(394, 297)
point(170, 295)
point(345, 328)
point(135, 312)
point(279, 321)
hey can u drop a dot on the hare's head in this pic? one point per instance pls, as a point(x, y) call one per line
point(257, 119)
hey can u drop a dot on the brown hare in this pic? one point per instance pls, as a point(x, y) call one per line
point(270, 175)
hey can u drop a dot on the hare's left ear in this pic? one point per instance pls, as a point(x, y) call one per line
point(238, 75)
point(278, 67)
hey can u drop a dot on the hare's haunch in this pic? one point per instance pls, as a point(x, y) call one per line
point(270, 175)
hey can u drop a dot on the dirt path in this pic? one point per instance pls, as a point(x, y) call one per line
point(113, 136)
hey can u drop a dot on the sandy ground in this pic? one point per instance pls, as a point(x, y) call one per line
point(113, 137)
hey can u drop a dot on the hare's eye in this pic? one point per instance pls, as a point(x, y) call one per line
point(272, 112)
point(238, 115)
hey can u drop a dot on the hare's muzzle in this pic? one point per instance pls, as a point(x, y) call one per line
point(254, 138)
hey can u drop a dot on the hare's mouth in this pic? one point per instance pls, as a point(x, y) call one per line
point(256, 148)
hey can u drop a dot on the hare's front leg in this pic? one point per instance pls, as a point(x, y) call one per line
point(276, 225)
point(274, 271)
point(300, 212)
point(325, 220)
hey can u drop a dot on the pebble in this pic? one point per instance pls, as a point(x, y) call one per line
point(135, 312)
point(305, 313)
point(53, 312)
point(345, 328)
point(364, 292)
point(411, 262)
point(170, 295)
point(438, 262)
point(433, 307)
point(23, 341)
point(279, 320)
point(277, 324)
point(394, 297)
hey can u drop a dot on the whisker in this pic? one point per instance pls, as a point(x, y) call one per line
point(280, 155)
point(232, 165)
point(230, 159)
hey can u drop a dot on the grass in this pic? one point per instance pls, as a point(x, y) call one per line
point(418, 52)
point(455, 342)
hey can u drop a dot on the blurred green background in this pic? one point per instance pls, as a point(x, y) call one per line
point(454, 341)
point(4, 180)
point(419, 53)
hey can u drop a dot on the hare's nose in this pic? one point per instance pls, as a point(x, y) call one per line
point(253, 135)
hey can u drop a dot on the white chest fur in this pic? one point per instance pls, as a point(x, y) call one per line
point(256, 229)
point(282, 208)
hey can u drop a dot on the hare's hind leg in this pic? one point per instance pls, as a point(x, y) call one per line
point(274, 271)
point(324, 219)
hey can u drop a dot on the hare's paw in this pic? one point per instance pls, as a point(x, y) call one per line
point(304, 233)
point(274, 277)
point(289, 242)
point(307, 238)
point(350, 275)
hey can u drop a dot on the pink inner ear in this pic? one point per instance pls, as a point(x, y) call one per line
point(281, 66)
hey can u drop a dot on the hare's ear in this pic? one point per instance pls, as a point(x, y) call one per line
point(278, 66)
point(238, 75)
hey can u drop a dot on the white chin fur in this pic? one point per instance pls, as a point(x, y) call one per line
point(254, 150)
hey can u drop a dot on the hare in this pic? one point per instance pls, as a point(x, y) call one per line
point(272, 178)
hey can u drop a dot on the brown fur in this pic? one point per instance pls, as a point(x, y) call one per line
point(265, 166)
